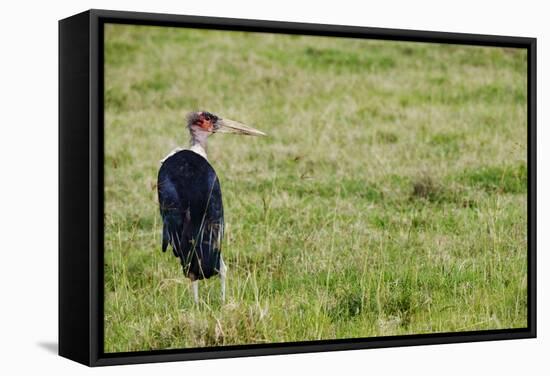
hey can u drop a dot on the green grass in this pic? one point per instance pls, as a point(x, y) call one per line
point(388, 199)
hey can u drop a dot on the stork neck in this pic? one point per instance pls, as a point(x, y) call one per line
point(198, 143)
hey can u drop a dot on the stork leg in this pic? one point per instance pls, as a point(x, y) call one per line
point(195, 286)
point(223, 273)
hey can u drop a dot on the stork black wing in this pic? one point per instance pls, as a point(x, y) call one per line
point(191, 207)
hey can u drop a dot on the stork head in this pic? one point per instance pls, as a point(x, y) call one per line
point(202, 124)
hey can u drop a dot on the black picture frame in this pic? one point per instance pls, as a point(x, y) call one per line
point(81, 186)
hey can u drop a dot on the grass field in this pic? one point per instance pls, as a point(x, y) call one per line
point(388, 199)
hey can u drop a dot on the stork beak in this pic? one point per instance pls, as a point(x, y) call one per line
point(231, 126)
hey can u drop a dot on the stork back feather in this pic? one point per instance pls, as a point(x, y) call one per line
point(191, 208)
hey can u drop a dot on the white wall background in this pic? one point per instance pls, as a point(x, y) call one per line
point(28, 185)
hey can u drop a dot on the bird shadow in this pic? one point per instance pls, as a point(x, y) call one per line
point(51, 347)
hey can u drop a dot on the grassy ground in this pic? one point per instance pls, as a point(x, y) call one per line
point(390, 197)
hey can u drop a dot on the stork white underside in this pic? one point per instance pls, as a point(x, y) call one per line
point(197, 148)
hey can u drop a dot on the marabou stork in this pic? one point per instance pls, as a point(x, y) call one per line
point(190, 201)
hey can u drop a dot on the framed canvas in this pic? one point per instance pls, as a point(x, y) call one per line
point(233, 187)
